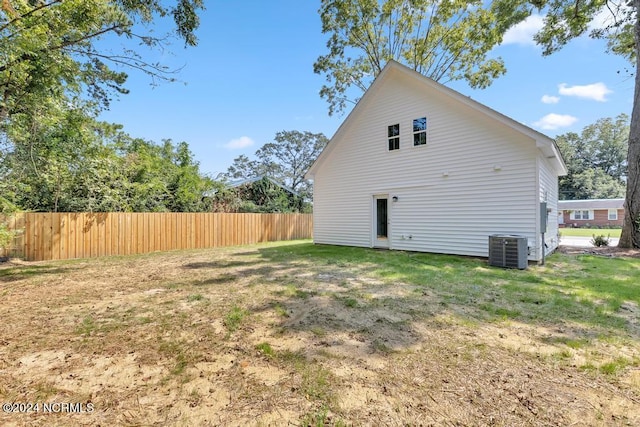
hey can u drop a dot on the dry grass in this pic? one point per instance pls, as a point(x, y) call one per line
point(284, 333)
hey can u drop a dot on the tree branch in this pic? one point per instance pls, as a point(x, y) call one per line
point(31, 12)
point(145, 67)
point(30, 55)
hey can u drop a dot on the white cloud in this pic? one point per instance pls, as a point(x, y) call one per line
point(549, 99)
point(554, 121)
point(238, 143)
point(522, 33)
point(595, 91)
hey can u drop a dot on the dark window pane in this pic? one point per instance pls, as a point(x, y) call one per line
point(393, 130)
point(381, 217)
point(420, 124)
point(394, 144)
point(420, 138)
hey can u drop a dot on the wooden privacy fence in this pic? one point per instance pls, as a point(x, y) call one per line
point(48, 236)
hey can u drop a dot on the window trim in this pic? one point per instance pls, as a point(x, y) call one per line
point(589, 213)
point(419, 131)
point(393, 138)
point(615, 215)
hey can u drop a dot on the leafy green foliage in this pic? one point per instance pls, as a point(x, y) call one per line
point(600, 240)
point(6, 236)
point(50, 50)
point(567, 19)
point(77, 164)
point(285, 160)
point(260, 196)
point(55, 77)
point(445, 41)
point(596, 159)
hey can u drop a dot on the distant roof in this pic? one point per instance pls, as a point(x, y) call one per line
point(568, 205)
point(258, 178)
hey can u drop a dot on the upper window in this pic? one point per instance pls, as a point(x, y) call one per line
point(393, 133)
point(613, 214)
point(420, 131)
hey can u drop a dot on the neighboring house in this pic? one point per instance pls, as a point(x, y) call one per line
point(417, 166)
point(589, 213)
point(258, 194)
point(247, 181)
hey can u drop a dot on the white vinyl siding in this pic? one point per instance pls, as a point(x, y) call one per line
point(548, 193)
point(474, 178)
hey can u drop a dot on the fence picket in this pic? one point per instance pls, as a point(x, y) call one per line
point(47, 236)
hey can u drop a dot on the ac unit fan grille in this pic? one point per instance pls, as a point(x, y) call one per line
point(508, 251)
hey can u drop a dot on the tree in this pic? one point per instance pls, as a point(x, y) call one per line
point(243, 168)
point(161, 178)
point(567, 19)
point(186, 185)
point(78, 164)
point(39, 165)
point(286, 160)
point(49, 49)
point(54, 74)
point(444, 40)
point(596, 160)
point(260, 195)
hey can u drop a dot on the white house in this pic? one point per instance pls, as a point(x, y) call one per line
point(417, 166)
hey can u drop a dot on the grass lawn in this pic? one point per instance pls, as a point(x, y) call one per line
point(589, 232)
point(317, 335)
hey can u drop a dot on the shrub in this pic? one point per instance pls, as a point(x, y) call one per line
point(6, 236)
point(600, 240)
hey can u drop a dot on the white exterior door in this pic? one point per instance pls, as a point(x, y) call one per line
point(381, 223)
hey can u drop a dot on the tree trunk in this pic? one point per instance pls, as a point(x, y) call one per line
point(630, 237)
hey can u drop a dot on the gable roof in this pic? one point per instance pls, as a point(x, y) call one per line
point(543, 143)
point(569, 205)
point(235, 184)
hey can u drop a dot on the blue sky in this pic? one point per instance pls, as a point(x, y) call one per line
point(251, 76)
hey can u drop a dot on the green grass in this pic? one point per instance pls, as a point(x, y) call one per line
point(234, 318)
point(195, 297)
point(613, 367)
point(588, 290)
point(347, 301)
point(265, 349)
point(589, 232)
point(87, 327)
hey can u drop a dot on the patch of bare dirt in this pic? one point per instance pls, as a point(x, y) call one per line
point(229, 337)
point(609, 251)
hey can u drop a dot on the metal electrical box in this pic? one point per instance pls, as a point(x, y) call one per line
point(508, 251)
point(544, 217)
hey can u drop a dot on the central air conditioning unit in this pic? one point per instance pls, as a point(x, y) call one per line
point(508, 251)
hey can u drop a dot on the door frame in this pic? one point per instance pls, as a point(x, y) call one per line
point(376, 240)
